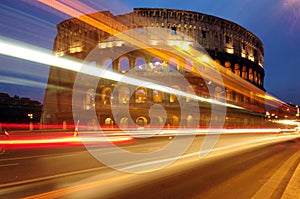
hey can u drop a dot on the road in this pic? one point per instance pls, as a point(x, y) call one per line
point(239, 166)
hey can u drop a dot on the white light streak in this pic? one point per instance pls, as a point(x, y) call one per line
point(27, 52)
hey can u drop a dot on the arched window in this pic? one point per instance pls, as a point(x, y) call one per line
point(124, 65)
point(259, 80)
point(141, 121)
point(106, 95)
point(108, 121)
point(250, 74)
point(255, 77)
point(124, 122)
point(237, 97)
point(229, 95)
point(141, 95)
point(244, 72)
point(173, 97)
point(140, 64)
point(237, 69)
point(90, 99)
point(218, 93)
point(157, 96)
point(124, 95)
point(228, 67)
point(190, 121)
point(156, 64)
point(107, 64)
point(173, 64)
point(175, 120)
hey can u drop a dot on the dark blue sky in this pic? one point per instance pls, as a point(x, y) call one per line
point(275, 22)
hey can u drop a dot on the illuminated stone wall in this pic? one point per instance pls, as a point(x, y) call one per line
point(234, 48)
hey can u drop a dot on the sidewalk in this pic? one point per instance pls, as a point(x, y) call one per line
point(271, 189)
point(293, 188)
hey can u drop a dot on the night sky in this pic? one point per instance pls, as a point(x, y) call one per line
point(275, 22)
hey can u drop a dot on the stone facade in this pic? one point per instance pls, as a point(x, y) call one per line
point(231, 46)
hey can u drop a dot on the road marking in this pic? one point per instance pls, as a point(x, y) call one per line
point(267, 190)
point(7, 165)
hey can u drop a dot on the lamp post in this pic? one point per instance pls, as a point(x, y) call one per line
point(30, 115)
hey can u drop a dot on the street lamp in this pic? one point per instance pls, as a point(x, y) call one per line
point(30, 115)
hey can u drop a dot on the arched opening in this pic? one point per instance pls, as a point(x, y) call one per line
point(259, 79)
point(140, 95)
point(244, 72)
point(106, 95)
point(156, 64)
point(250, 74)
point(174, 121)
point(157, 96)
point(90, 99)
point(107, 64)
point(190, 121)
point(124, 95)
point(124, 122)
point(218, 93)
point(228, 67)
point(255, 77)
point(108, 122)
point(229, 95)
point(123, 65)
point(237, 70)
point(141, 121)
point(140, 64)
point(174, 97)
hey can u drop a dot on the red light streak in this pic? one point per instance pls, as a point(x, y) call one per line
point(17, 141)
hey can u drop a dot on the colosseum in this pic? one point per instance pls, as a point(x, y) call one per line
point(237, 52)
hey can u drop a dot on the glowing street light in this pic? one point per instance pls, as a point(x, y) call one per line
point(30, 115)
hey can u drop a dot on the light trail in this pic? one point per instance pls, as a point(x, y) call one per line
point(34, 54)
point(184, 160)
point(92, 138)
point(20, 81)
point(42, 141)
point(105, 23)
point(114, 27)
point(288, 122)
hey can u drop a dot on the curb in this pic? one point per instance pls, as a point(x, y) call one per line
point(292, 191)
point(270, 187)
